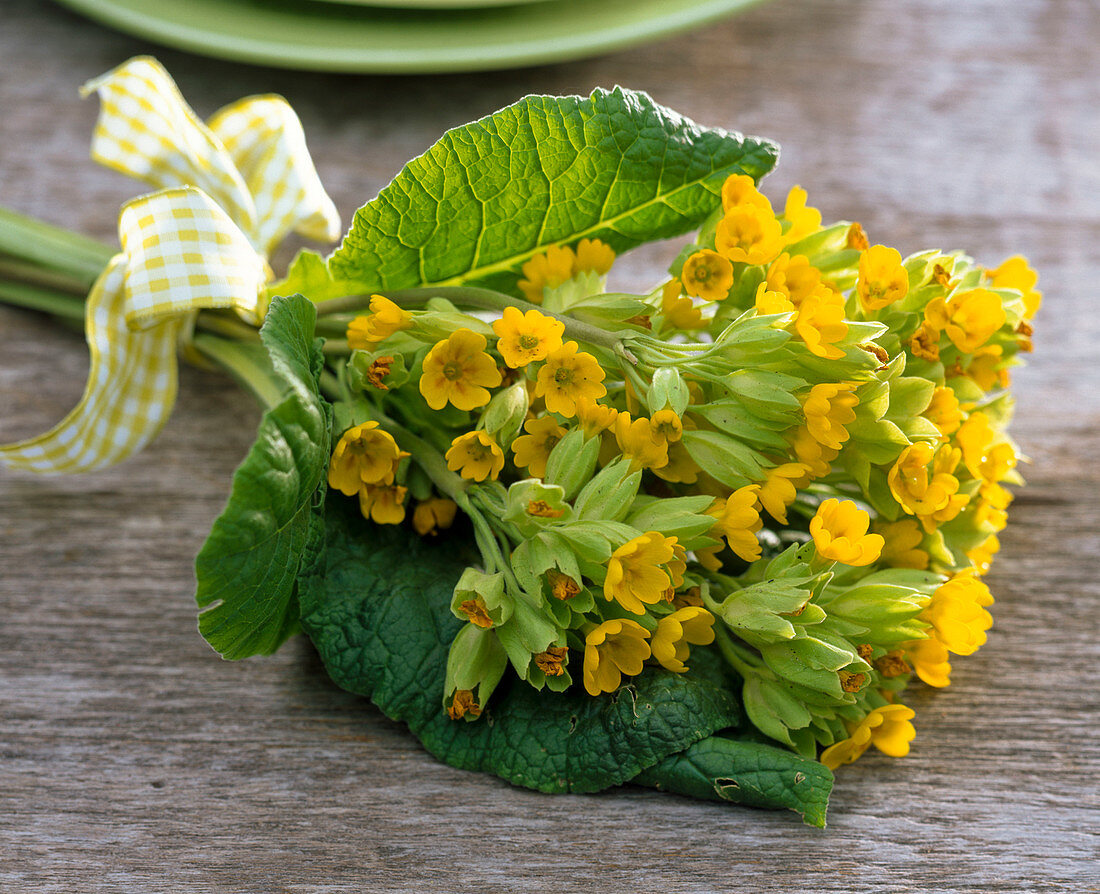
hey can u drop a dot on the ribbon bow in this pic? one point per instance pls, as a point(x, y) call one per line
point(229, 191)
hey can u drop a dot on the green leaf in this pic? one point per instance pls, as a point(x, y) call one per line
point(719, 768)
point(272, 530)
point(548, 170)
point(382, 625)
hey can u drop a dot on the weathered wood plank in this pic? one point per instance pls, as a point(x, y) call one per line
point(133, 759)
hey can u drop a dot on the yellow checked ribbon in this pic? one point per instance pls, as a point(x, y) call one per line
point(230, 190)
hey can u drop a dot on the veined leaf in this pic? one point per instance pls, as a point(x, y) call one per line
point(271, 533)
point(382, 625)
point(720, 768)
point(548, 170)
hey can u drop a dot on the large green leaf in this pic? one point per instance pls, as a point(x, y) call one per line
point(547, 170)
point(381, 622)
point(720, 768)
point(272, 530)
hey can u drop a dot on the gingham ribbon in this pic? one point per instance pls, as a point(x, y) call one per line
point(229, 191)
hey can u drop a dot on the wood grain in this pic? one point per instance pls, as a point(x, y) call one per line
point(132, 759)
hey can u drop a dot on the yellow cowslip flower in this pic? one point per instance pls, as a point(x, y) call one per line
point(666, 424)
point(929, 659)
point(567, 376)
point(856, 239)
point(612, 649)
point(740, 189)
point(364, 455)
point(458, 370)
point(993, 501)
point(680, 468)
point(525, 337)
point(769, 302)
point(594, 417)
point(957, 613)
point(639, 440)
point(385, 318)
point(593, 256)
point(749, 234)
point(814, 455)
point(794, 277)
point(887, 728)
point(902, 541)
point(882, 279)
point(636, 575)
point(475, 455)
point(981, 556)
point(802, 218)
point(707, 275)
point(679, 311)
point(546, 270)
point(675, 633)
point(433, 515)
point(383, 504)
point(828, 408)
point(778, 490)
point(987, 368)
point(969, 318)
point(943, 411)
point(820, 322)
point(986, 455)
point(1016, 273)
point(840, 533)
point(925, 342)
point(532, 450)
point(923, 482)
point(737, 519)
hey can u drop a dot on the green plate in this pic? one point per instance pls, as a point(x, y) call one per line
point(432, 4)
point(334, 37)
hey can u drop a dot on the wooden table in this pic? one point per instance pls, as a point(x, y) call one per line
point(133, 759)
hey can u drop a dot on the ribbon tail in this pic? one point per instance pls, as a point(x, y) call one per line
point(130, 392)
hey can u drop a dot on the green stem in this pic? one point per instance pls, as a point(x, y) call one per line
point(248, 364)
point(738, 657)
point(484, 299)
point(330, 385)
point(47, 300)
point(30, 274)
point(53, 248)
point(431, 461)
point(230, 328)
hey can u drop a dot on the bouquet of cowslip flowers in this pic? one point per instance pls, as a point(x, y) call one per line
point(701, 538)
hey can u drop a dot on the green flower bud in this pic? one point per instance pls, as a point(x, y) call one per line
point(608, 496)
point(374, 371)
point(812, 662)
point(505, 414)
point(475, 664)
point(482, 599)
point(532, 506)
point(572, 462)
point(668, 390)
point(530, 632)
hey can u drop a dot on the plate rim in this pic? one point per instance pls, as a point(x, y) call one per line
point(120, 15)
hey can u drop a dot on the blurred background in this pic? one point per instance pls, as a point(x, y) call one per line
point(132, 757)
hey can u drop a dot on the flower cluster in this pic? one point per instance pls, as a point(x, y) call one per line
point(792, 454)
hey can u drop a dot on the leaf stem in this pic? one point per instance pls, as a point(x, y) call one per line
point(247, 363)
point(46, 300)
point(52, 248)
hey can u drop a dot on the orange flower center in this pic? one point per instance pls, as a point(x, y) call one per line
point(528, 342)
point(452, 371)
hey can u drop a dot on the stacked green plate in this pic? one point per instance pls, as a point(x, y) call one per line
point(403, 36)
